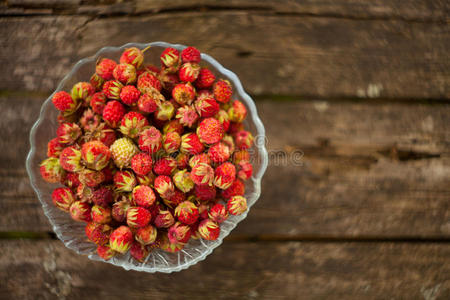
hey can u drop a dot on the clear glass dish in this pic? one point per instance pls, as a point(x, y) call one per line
point(71, 233)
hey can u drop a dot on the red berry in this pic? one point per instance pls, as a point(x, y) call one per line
point(190, 54)
point(222, 91)
point(141, 163)
point(205, 79)
point(113, 113)
point(129, 95)
point(105, 68)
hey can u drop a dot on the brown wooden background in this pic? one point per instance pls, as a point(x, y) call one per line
point(362, 87)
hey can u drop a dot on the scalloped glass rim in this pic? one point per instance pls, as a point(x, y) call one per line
point(158, 261)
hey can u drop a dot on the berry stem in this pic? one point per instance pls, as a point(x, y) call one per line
point(145, 49)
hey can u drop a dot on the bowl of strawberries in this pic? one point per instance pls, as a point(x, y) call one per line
point(146, 156)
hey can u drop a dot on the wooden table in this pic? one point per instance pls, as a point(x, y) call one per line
point(361, 87)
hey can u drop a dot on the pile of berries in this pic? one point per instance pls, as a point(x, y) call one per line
point(150, 156)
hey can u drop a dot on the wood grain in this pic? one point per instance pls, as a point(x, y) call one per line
point(364, 170)
point(411, 10)
point(291, 54)
point(46, 269)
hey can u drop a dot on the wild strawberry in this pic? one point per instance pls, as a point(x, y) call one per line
point(237, 112)
point(125, 73)
point(210, 131)
point(68, 133)
point(102, 133)
point(190, 143)
point(170, 58)
point(235, 127)
point(132, 124)
point(113, 113)
point(171, 142)
point(152, 69)
point(146, 235)
point(112, 89)
point(245, 170)
point(105, 68)
point(168, 80)
point(138, 217)
point(241, 155)
point(165, 166)
point(182, 160)
point(144, 196)
point(98, 102)
point(91, 178)
point(199, 158)
point(218, 213)
point(205, 79)
point(148, 103)
point(189, 72)
point(64, 102)
point(98, 233)
point(148, 82)
point(224, 176)
point(228, 140)
point(190, 54)
point(209, 230)
point(124, 181)
point(179, 233)
point(176, 198)
point(80, 211)
point(105, 252)
point(166, 245)
point(141, 163)
point(138, 251)
point(244, 139)
point(222, 116)
point(54, 148)
point(119, 210)
point(165, 111)
point(183, 93)
point(173, 126)
point(219, 153)
point(150, 140)
point(182, 180)
point(72, 180)
point(202, 174)
point(95, 155)
point(146, 179)
point(129, 95)
point(101, 215)
point(63, 198)
point(237, 205)
point(164, 186)
point(89, 120)
point(85, 193)
point(222, 91)
point(237, 188)
point(81, 92)
point(164, 219)
point(186, 212)
point(97, 82)
point(120, 239)
point(70, 159)
point(206, 106)
point(122, 151)
point(205, 193)
point(133, 56)
point(102, 196)
point(187, 115)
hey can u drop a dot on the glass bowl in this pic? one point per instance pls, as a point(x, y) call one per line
point(72, 234)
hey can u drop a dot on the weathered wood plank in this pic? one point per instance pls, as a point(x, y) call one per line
point(376, 170)
point(307, 56)
point(45, 270)
point(412, 10)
